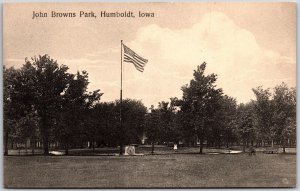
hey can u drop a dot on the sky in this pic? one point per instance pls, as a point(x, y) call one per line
point(245, 44)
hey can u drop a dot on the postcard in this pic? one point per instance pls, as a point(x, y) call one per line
point(149, 95)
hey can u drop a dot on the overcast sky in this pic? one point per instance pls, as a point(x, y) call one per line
point(245, 44)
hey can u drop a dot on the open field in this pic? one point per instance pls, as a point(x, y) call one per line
point(171, 170)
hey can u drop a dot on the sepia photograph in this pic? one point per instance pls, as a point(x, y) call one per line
point(149, 95)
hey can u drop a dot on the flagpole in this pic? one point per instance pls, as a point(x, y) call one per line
point(121, 126)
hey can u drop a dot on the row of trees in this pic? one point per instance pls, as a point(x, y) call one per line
point(44, 102)
point(206, 113)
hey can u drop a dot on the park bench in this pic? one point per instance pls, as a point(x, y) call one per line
point(272, 150)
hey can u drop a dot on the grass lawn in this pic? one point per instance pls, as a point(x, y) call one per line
point(173, 170)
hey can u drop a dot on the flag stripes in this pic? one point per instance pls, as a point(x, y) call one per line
point(132, 57)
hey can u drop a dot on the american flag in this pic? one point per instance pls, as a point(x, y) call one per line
point(130, 56)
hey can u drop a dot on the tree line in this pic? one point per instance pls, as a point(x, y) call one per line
point(205, 113)
point(44, 102)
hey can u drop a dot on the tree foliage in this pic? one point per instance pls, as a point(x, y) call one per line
point(275, 113)
point(201, 103)
point(43, 101)
point(45, 89)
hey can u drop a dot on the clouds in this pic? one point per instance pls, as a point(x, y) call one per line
point(230, 51)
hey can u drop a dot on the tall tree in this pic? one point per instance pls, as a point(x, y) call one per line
point(284, 115)
point(153, 128)
point(245, 123)
point(76, 101)
point(162, 123)
point(10, 107)
point(20, 118)
point(48, 82)
point(43, 94)
point(223, 123)
point(200, 100)
point(264, 109)
point(276, 113)
point(169, 121)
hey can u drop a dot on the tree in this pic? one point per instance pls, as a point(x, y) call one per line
point(284, 115)
point(20, 119)
point(76, 102)
point(162, 124)
point(49, 89)
point(168, 126)
point(26, 128)
point(245, 123)
point(43, 94)
point(275, 113)
point(101, 124)
point(10, 108)
point(264, 108)
point(55, 95)
point(108, 121)
point(153, 126)
point(133, 116)
point(48, 82)
point(200, 102)
point(223, 123)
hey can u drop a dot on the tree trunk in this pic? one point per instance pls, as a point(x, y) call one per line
point(121, 149)
point(45, 132)
point(201, 146)
point(26, 147)
point(283, 145)
point(67, 149)
point(32, 151)
point(32, 144)
point(45, 145)
point(244, 146)
point(6, 144)
point(272, 143)
point(152, 150)
point(93, 145)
